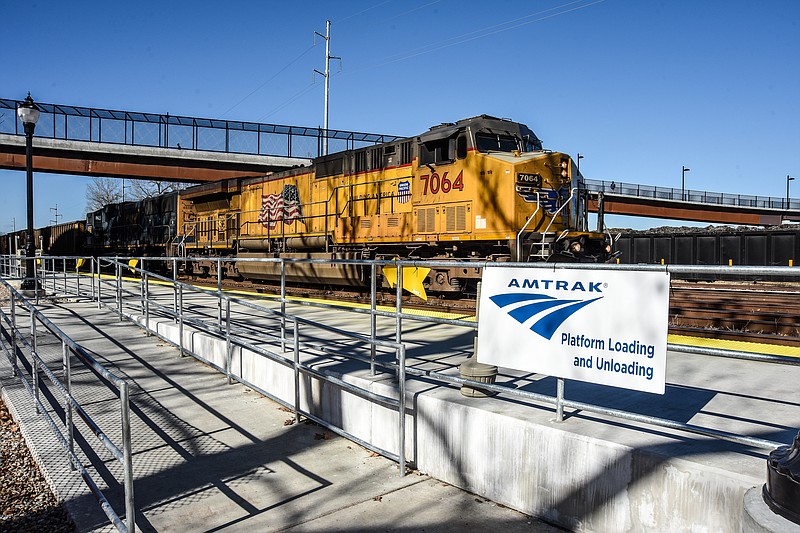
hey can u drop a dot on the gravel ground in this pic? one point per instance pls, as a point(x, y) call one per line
point(26, 502)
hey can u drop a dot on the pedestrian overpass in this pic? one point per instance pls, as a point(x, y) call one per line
point(701, 206)
point(126, 144)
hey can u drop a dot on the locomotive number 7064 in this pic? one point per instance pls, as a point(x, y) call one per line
point(434, 183)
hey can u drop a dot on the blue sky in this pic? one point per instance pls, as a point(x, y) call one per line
point(639, 88)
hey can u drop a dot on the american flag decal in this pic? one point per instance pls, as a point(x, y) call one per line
point(404, 192)
point(284, 207)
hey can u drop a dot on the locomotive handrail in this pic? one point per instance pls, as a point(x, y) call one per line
point(519, 235)
point(553, 219)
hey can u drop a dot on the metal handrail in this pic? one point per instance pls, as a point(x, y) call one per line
point(560, 402)
point(116, 384)
point(228, 330)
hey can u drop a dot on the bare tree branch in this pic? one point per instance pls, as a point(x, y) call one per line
point(101, 192)
point(142, 189)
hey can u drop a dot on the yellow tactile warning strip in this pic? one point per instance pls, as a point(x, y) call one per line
point(740, 346)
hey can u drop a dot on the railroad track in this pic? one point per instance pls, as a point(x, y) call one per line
point(765, 313)
point(749, 312)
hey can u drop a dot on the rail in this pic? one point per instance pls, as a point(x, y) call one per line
point(399, 315)
point(16, 344)
point(75, 123)
point(688, 195)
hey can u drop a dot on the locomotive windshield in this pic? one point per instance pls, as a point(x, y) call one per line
point(492, 142)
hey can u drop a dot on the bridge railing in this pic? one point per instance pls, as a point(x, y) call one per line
point(687, 195)
point(74, 123)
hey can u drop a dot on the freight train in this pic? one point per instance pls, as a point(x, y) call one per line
point(480, 189)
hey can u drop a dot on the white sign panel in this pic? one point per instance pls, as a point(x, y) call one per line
point(601, 326)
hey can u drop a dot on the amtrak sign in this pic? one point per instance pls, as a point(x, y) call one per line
point(601, 326)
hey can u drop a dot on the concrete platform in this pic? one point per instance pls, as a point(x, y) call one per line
point(213, 457)
point(589, 473)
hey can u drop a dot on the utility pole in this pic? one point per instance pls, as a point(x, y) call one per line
point(327, 77)
point(56, 215)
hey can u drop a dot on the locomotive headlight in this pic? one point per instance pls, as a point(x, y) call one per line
point(564, 168)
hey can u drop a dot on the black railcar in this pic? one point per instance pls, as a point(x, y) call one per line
point(723, 246)
point(143, 228)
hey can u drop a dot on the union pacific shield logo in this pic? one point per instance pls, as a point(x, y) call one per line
point(404, 192)
point(554, 311)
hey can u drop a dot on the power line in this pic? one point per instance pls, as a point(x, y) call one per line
point(445, 43)
point(361, 12)
point(292, 62)
point(479, 34)
point(291, 100)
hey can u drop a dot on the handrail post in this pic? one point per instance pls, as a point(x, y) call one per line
point(77, 279)
point(283, 305)
point(401, 430)
point(14, 362)
point(398, 323)
point(228, 344)
point(64, 270)
point(146, 303)
point(127, 457)
point(67, 366)
point(219, 292)
point(141, 295)
point(296, 368)
point(99, 286)
point(373, 326)
point(34, 363)
point(175, 289)
point(560, 400)
point(119, 290)
point(180, 318)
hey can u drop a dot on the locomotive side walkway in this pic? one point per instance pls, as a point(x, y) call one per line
point(200, 443)
point(213, 457)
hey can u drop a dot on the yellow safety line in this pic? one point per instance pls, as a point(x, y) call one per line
point(741, 346)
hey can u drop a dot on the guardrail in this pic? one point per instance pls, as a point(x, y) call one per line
point(75, 123)
point(688, 195)
point(17, 345)
point(220, 324)
point(226, 326)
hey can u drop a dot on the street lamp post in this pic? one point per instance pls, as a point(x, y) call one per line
point(579, 162)
point(28, 114)
point(788, 179)
point(684, 170)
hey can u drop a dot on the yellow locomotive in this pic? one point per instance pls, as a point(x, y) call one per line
point(479, 189)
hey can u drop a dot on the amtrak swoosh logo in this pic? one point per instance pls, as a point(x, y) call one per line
point(547, 324)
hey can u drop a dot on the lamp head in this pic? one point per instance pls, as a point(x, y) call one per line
point(28, 111)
